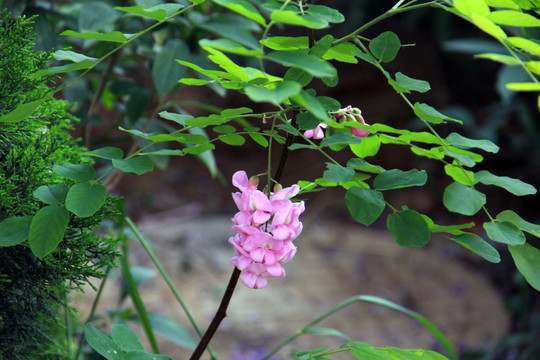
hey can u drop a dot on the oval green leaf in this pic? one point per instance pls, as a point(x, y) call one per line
point(396, 179)
point(136, 165)
point(504, 232)
point(84, 199)
point(409, 228)
point(527, 259)
point(76, 172)
point(365, 205)
point(14, 230)
point(51, 194)
point(462, 199)
point(385, 46)
point(479, 246)
point(47, 229)
point(514, 186)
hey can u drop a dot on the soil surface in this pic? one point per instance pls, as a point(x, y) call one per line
point(334, 262)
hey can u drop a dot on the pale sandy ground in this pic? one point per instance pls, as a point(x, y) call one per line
point(333, 263)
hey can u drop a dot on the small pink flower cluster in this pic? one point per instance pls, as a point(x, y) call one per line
point(346, 114)
point(266, 227)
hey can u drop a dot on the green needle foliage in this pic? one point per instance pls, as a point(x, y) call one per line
point(32, 290)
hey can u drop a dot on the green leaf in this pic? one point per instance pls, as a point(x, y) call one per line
point(409, 228)
point(470, 7)
point(479, 246)
point(429, 114)
point(368, 147)
point(307, 120)
point(465, 143)
point(142, 355)
point(460, 175)
point(527, 259)
point(76, 172)
point(14, 230)
point(113, 36)
point(243, 8)
point(523, 86)
point(462, 199)
point(340, 138)
point(488, 26)
point(224, 129)
point(125, 338)
point(232, 139)
point(464, 159)
point(514, 186)
point(101, 343)
point(311, 104)
point(325, 332)
point(363, 165)
point(504, 59)
point(198, 149)
point(397, 179)
point(107, 152)
point(172, 331)
point(286, 42)
point(412, 84)
point(224, 62)
point(47, 229)
point(421, 136)
point(344, 52)
point(85, 199)
point(513, 18)
point(165, 71)
point(299, 59)
point(230, 46)
point(525, 44)
point(158, 12)
point(190, 138)
point(504, 232)
point(51, 194)
point(326, 13)
point(276, 94)
point(22, 111)
point(177, 118)
point(385, 46)
point(503, 4)
point(163, 152)
point(136, 165)
point(510, 216)
point(337, 173)
point(365, 205)
point(259, 139)
point(292, 18)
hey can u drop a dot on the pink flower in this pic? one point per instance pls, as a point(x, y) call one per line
point(360, 132)
point(266, 227)
point(317, 133)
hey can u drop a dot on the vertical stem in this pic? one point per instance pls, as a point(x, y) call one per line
point(220, 315)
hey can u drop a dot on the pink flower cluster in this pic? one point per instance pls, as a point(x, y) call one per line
point(346, 114)
point(266, 227)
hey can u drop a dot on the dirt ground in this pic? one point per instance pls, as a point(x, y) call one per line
point(334, 262)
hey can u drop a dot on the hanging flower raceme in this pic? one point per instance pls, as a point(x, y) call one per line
point(266, 227)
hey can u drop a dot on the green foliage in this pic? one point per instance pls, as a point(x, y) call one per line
point(32, 141)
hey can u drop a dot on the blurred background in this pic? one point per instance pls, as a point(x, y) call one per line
point(487, 310)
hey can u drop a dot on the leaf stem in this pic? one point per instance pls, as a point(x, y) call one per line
point(136, 297)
